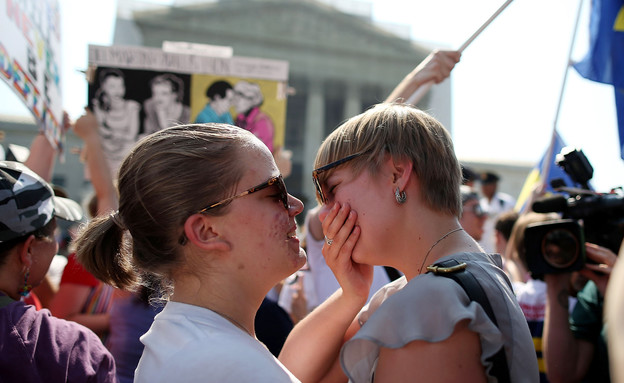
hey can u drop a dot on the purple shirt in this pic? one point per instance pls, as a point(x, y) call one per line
point(37, 347)
point(129, 320)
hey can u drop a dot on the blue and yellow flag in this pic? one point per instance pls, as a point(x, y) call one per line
point(542, 174)
point(605, 60)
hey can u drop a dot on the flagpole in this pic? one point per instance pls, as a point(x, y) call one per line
point(565, 75)
point(423, 89)
point(548, 160)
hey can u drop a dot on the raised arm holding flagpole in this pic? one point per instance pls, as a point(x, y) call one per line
point(435, 68)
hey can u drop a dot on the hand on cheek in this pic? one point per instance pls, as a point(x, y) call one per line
point(341, 231)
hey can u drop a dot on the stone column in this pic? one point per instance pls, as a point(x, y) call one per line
point(314, 128)
point(353, 101)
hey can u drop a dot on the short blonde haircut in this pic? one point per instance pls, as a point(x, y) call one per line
point(402, 132)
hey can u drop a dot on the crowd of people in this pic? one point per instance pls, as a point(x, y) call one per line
point(190, 266)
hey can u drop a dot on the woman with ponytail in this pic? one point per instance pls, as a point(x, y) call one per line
point(204, 211)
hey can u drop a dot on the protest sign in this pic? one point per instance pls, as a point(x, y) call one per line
point(30, 59)
point(135, 91)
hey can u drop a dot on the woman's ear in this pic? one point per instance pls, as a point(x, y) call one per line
point(25, 251)
point(201, 231)
point(401, 171)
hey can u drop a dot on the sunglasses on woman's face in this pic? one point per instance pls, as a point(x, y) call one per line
point(277, 181)
point(322, 169)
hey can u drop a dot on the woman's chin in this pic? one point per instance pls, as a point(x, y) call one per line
point(360, 257)
point(299, 260)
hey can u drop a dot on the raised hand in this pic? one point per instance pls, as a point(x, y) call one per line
point(341, 235)
point(600, 271)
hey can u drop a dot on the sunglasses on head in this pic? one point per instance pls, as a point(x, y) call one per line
point(276, 180)
point(478, 210)
point(322, 169)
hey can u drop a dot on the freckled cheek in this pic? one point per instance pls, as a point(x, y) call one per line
point(278, 227)
point(275, 238)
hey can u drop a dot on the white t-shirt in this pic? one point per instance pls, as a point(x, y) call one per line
point(531, 296)
point(189, 343)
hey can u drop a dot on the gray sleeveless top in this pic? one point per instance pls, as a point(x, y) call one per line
point(428, 307)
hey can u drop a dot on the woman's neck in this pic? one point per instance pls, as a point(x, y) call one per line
point(10, 282)
point(427, 236)
point(226, 299)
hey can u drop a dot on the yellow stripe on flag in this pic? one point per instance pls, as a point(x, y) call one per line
point(619, 21)
point(529, 184)
point(537, 342)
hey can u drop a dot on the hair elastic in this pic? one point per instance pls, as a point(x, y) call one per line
point(118, 220)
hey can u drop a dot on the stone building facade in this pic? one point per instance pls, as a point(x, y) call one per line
point(340, 64)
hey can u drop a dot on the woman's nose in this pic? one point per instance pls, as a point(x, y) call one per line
point(295, 206)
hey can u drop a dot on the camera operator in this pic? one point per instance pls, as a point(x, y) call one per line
point(530, 293)
point(575, 343)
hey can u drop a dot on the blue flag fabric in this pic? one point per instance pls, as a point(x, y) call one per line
point(605, 60)
point(619, 106)
point(543, 173)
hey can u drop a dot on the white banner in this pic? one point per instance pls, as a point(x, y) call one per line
point(133, 57)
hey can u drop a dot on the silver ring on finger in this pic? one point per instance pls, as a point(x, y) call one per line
point(328, 241)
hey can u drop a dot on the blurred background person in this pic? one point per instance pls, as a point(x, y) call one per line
point(472, 216)
point(131, 315)
point(469, 176)
point(494, 203)
point(575, 347)
point(503, 228)
point(273, 322)
point(81, 297)
point(297, 295)
point(530, 293)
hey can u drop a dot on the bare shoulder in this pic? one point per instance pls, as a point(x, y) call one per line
point(456, 358)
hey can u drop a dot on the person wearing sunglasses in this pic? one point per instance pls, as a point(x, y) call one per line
point(203, 210)
point(389, 183)
point(472, 217)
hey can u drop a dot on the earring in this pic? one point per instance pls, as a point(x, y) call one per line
point(25, 290)
point(400, 196)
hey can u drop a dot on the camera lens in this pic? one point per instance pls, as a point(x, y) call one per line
point(560, 248)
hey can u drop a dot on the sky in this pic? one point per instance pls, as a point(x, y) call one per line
point(505, 90)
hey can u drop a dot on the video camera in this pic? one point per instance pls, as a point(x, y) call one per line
point(559, 246)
